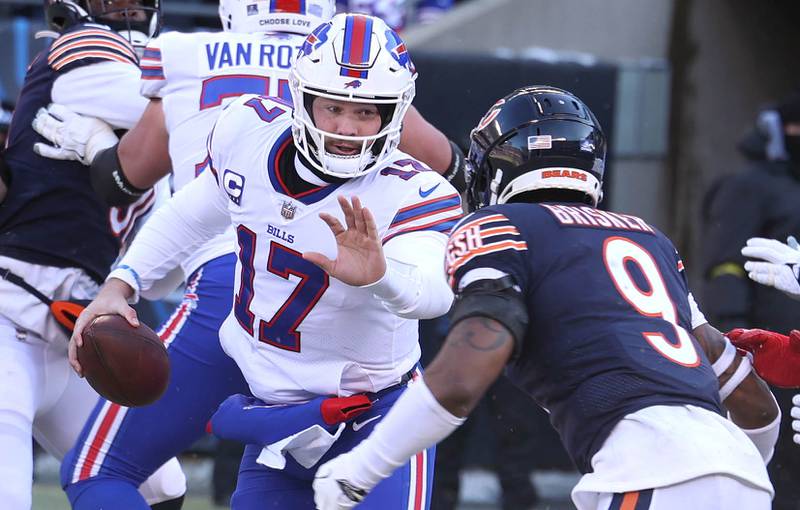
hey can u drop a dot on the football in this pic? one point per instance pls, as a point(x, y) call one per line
point(126, 365)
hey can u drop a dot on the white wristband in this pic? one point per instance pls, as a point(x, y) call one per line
point(742, 371)
point(725, 359)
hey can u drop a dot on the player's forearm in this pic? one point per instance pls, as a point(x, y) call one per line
point(473, 355)
point(144, 150)
point(414, 286)
point(194, 215)
point(749, 401)
point(399, 435)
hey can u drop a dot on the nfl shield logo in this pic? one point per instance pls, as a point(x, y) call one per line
point(288, 209)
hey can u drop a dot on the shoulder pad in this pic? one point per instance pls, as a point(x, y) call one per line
point(89, 44)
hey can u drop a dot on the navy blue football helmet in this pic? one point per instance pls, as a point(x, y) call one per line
point(536, 138)
point(136, 20)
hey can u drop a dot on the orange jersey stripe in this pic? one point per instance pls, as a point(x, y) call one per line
point(57, 52)
point(88, 54)
point(481, 221)
point(92, 31)
point(487, 248)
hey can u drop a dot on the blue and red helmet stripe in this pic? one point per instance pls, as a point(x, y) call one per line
point(290, 6)
point(357, 46)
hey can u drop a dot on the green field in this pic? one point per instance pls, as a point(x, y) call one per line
point(51, 497)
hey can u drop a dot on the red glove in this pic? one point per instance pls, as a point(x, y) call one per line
point(338, 409)
point(776, 357)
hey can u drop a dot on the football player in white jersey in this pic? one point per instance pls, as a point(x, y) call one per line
point(189, 79)
point(57, 241)
point(276, 190)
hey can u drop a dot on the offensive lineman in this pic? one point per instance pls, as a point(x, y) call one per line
point(352, 86)
point(57, 240)
point(591, 312)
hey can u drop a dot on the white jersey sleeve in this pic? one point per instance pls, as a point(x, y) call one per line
point(97, 75)
point(153, 78)
point(195, 214)
point(414, 285)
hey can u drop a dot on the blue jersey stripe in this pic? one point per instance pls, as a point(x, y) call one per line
point(426, 208)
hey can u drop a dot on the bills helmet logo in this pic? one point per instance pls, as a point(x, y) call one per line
point(397, 49)
point(315, 39)
point(352, 84)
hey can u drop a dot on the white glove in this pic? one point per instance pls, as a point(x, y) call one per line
point(782, 266)
point(796, 418)
point(332, 488)
point(74, 137)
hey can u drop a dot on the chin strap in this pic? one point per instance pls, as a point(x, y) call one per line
point(494, 187)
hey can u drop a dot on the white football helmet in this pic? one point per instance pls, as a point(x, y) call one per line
point(355, 58)
point(295, 16)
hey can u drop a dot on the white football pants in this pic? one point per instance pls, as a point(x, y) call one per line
point(40, 394)
point(712, 492)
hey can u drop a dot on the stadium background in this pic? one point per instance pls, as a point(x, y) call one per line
point(675, 83)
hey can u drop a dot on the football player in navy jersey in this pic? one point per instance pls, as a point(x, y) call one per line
point(58, 240)
point(590, 313)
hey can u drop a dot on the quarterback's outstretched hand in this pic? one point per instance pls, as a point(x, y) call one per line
point(112, 299)
point(779, 266)
point(360, 259)
point(796, 418)
point(776, 357)
point(74, 137)
point(333, 488)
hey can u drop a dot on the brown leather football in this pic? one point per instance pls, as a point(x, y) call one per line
point(126, 365)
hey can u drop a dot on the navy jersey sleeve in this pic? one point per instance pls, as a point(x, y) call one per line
point(485, 245)
point(89, 44)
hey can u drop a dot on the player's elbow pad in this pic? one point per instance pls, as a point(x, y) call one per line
point(496, 299)
point(109, 182)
